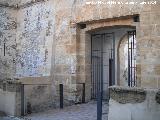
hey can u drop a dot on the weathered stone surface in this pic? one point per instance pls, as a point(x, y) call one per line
point(35, 37)
point(39, 97)
point(8, 26)
point(10, 2)
point(79, 112)
point(121, 59)
point(147, 110)
point(44, 42)
point(127, 95)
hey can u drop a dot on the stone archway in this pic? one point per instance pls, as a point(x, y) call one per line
point(121, 55)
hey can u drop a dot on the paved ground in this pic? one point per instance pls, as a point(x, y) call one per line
point(76, 112)
point(12, 118)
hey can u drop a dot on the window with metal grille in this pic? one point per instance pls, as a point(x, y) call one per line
point(132, 79)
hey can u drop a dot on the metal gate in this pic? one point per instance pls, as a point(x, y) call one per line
point(132, 82)
point(103, 63)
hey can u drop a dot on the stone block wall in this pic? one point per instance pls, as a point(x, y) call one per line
point(38, 98)
point(27, 31)
point(148, 48)
point(10, 101)
point(7, 102)
point(8, 27)
point(99, 16)
point(134, 104)
point(34, 40)
point(45, 41)
point(35, 35)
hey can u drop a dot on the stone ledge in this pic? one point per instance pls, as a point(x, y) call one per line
point(134, 103)
point(126, 95)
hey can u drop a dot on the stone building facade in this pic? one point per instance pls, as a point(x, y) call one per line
point(44, 43)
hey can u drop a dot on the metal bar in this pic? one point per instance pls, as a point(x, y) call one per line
point(91, 69)
point(131, 60)
point(94, 85)
point(135, 84)
point(95, 76)
point(128, 61)
point(110, 72)
point(83, 95)
point(4, 49)
point(98, 71)
point(61, 95)
point(22, 100)
point(102, 65)
point(99, 106)
point(113, 77)
point(97, 79)
point(94, 79)
point(134, 59)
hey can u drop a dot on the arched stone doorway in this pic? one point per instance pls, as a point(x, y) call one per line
point(119, 26)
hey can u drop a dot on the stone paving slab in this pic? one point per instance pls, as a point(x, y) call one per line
point(76, 112)
point(13, 118)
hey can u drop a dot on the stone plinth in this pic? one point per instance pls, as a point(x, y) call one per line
point(134, 104)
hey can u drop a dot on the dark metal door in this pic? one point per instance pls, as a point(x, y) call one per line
point(103, 63)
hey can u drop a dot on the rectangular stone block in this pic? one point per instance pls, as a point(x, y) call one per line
point(157, 69)
point(149, 81)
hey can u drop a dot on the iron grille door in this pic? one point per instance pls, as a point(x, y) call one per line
point(102, 63)
point(132, 79)
point(96, 58)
